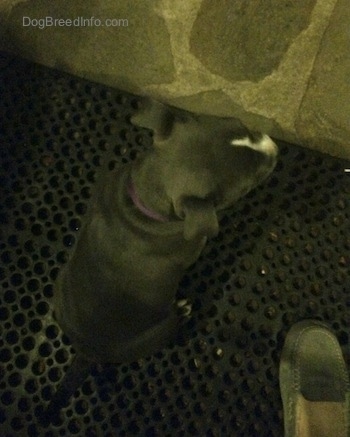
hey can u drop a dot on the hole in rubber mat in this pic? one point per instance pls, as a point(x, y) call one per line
point(282, 255)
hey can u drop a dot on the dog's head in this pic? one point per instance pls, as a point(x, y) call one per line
point(206, 163)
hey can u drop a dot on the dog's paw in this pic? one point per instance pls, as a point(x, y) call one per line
point(184, 308)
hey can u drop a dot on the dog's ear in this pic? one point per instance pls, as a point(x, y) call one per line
point(200, 219)
point(156, 116)
point(252, 161)
point(262, 144)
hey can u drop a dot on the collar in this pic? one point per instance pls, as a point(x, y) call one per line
point(141, 207)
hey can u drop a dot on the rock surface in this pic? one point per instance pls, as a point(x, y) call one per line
point(281, 66)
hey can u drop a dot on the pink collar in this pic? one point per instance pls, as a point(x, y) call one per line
point(141, 207)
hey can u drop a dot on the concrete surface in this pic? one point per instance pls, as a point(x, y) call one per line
point(281, 66)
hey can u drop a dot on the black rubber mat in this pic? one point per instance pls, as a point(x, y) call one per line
point(283, 255)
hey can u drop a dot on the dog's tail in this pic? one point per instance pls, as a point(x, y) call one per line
point(72, 380)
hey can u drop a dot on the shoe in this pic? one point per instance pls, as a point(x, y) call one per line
point(314, 383)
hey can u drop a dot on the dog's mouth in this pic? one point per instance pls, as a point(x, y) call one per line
point(154, 215)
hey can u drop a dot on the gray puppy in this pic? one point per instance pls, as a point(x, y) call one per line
point(148, 222)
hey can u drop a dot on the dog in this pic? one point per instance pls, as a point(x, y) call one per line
point(149, 220)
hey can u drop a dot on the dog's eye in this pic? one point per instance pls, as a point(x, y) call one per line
point(217, 200)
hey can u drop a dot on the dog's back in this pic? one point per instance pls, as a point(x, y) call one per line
point(122, 278)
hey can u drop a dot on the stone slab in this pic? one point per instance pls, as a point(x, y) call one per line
point(239, 40)
point(128, 55)
point(324, 116)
